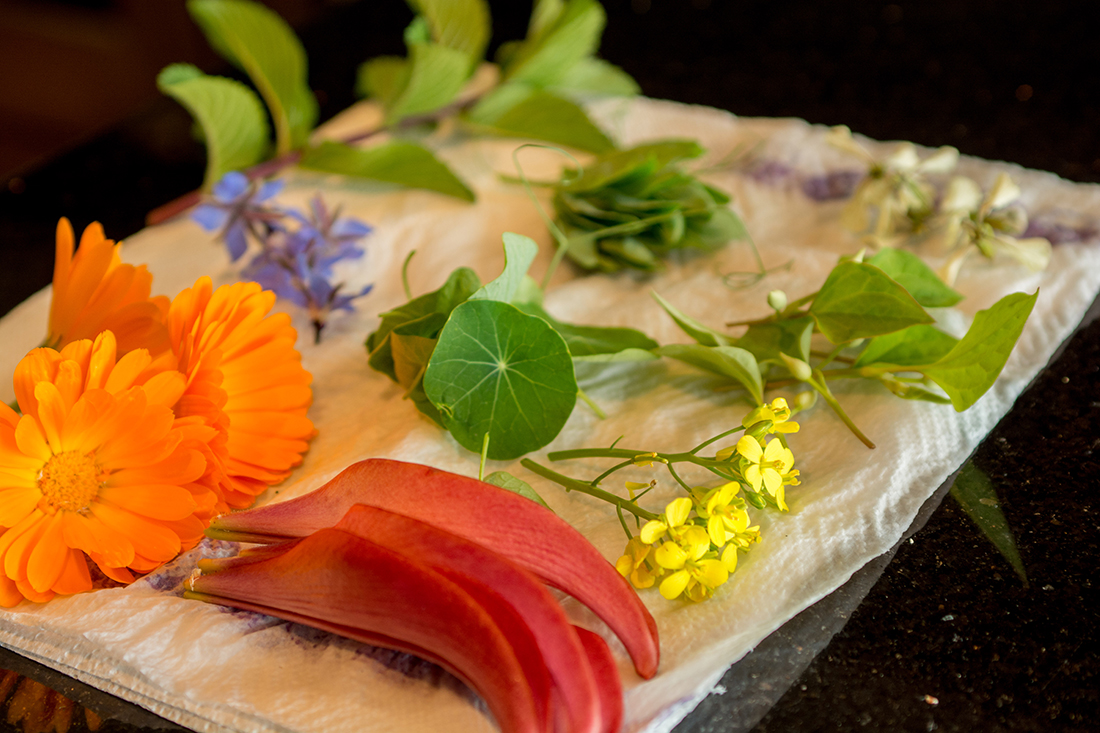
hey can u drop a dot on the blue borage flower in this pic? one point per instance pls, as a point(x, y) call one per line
point(296, 264)
point(237, 209)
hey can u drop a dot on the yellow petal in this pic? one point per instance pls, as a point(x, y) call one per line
point(670, 556)
point(711, 573)
point(729, 558)
point(673, 585)
point(749, 447)
point(677, 511)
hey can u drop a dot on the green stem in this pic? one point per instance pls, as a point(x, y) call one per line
point(818, 383)
point(831, 356)
point(594, 407)
point(571, 484)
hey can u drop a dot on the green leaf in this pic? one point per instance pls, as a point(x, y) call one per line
point(508, 482)
point(382, 78)
point(544, 59)
point(461, 284)
point(767, 340)
point(543, 15)
point(918, 278)
point(398, 161)
point(256, 40)
point(727, 361)
point(637, 162)
point(592, 76)
point(702, 334)
point(914, 345)
point(617, 357)
point(436, 74)
point(500, 372)
point(463, 25)
point(541, 116)
point(967, 371)
point(519, 253)
point(232, 117)
point(909, 391)
point(597, 343)
point(859, 301)
point(978, 498)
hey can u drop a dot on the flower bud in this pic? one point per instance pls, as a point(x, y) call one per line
point(777, 299)
point(799, 369)
point(805, 400)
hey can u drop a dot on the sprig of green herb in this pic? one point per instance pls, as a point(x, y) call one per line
point(873, 314)
point(542, 80)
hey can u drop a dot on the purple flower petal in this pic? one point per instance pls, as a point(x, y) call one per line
point(232, 185)
point(209, 217)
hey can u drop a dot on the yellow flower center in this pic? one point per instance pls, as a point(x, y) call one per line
point(69, 481)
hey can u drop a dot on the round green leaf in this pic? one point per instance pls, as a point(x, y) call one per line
point(498, 371)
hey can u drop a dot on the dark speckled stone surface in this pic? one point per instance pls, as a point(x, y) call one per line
point(941, 634)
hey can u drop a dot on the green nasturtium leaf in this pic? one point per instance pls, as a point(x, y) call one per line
point(967, 371)
point(573, 34)
point(398, 161)
point(232, 117)
point(911, 346)
point(541, 115)
point(501, 372)
point(916, 277)
point(463, 25)
point(860, 301)
point(726, 361)
point(702, 334)
point(519, 253)
point(508, 482)
point(767, 341)
point(255, 39)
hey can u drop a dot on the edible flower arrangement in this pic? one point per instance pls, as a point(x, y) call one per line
point(143, 423)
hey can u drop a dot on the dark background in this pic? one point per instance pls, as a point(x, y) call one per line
point(83, 133)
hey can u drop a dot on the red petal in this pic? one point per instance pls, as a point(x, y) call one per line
point(506, 523)
point(341, 579)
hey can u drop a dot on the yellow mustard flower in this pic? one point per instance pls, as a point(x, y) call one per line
point(638, 565)
point(769, 466)
point(778, 412)
point(695, 569)
point(676, 514)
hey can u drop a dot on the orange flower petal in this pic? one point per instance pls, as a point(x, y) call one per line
point(155, 501)
point(83, 532)
point(40, 365)
point(51, 414)
point(9, 592)
point(150, 539)
point(74, 577)
point(16, 502)
point(126, 371)
point(25, 536)
point(31, 594)
point(31, 440)
point(46, 559)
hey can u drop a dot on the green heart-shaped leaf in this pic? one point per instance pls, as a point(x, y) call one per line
point(398, 161)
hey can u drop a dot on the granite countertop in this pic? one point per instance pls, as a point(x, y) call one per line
point(942, 634)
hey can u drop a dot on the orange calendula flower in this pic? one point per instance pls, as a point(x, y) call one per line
point(94, 291)
point(97, 467)
point(245, 379)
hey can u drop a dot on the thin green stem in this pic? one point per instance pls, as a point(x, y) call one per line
point(818, 383)
point(715, 439)
point(571, 484)
point(592, 405)
point(831, 356)
point(617, 467)
point(672, 472)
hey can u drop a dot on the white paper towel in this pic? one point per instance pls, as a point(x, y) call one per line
point(215, 670)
